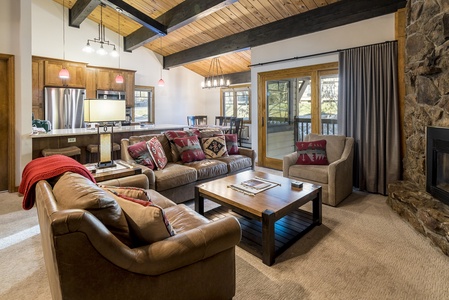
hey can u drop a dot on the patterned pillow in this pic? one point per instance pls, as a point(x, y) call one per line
point(214, 147)
point(312, 153)
point(190, 149)
point(124, 191)
point(232, 143)
point(157, 153)
point(171, 134)
point(141, 155)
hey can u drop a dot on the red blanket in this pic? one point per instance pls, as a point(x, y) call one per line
point(44, 168)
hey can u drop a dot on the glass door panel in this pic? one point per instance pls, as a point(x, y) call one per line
point(329, 104)
point(303, 118)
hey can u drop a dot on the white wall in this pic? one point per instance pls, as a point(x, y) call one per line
point(181, 95)
point(15, 39)
point(362, 33)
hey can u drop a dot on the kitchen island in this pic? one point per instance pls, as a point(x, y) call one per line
point(81, 137)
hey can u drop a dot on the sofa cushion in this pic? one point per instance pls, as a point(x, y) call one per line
point(214, 147)
point(236, 162)
point(189, 148)
point(174, 175)
point(73, 191)
point(159, 199)
point(312, 153)
point(335, 145)
point(140, 153)
point(124, 191)
point(208, 168)
point(147, 222)
point(184, 218)
point(157, 153)
point(317, 173)
point(206, 133)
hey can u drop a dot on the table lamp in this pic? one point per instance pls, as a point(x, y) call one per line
point(104, 112)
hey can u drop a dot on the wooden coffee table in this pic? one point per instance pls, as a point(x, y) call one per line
point(271, 220)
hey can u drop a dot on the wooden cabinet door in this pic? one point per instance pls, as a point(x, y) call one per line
point(52, 69)
point(129, 88)
point(103, 79)
point(91, 88)
point(77, 75)
point(37, 67)
point(117, 86)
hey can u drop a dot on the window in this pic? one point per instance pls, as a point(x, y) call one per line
point(144, 104)
point(235, 102)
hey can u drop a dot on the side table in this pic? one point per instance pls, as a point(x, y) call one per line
point(122, 169)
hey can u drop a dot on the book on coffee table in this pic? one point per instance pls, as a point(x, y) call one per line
point(253, 186)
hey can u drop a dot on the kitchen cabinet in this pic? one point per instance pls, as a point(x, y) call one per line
point(129, 87)
point(37, 67)
point(91, 83)
point(77, 73)
point(106, 80)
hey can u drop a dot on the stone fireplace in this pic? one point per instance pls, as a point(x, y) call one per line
point(426, 105)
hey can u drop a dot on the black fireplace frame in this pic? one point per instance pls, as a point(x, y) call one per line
point(437, 141)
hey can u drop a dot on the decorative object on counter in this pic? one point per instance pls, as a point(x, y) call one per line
point(215, 77)
point(64, 73)
point(119, 77)
point(104, 111)
point(101, 39)
point(161, 81)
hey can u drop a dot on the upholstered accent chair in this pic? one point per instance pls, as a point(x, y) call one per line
point(335, 178)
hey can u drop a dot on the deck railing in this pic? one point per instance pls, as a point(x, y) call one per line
point(303, 126)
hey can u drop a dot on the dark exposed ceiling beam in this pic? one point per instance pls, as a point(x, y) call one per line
point(180, 15)
point(337, 14)
point(81, 10)
point(137, 16)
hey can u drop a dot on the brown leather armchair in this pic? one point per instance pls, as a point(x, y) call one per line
point(84, 260)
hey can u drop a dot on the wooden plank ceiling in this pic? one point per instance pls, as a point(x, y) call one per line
point(221, 20)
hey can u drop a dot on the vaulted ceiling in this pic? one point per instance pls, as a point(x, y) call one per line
point(191, 32)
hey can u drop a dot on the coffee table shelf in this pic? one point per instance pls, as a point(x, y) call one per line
point(287, 229)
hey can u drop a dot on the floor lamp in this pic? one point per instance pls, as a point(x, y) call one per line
point(105, 113)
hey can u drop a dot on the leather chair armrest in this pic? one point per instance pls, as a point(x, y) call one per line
point(287, 161)
point(250, 153)
point(160, 257)
point(138, 181)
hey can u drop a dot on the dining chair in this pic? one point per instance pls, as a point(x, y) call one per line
point(191, 121)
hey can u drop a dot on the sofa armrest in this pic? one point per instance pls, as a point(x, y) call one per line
point(287, 161)
point(160, 257)
point(138, 181)
point(250, 153)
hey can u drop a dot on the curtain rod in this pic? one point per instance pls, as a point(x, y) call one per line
point(316, 54)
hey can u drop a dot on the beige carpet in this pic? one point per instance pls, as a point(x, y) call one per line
point(363, 250)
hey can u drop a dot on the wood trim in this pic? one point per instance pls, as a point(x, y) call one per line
point(400, 34)
point(11, 140)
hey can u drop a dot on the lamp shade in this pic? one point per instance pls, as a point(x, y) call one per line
point(64, 74)
point(102, 110)
point(119, 78)
point(161, 82)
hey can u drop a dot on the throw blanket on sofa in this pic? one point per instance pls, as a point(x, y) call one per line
point(44, 168)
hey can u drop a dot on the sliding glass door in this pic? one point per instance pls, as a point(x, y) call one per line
point(292, 104)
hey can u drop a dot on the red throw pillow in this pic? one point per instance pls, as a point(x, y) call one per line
point(190, 149)
point(312, 153)
point(141, 155)
point(232, 144)
point(157, 153)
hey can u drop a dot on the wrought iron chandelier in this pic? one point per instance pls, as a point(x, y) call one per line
point(215, 77)
point(101, 39)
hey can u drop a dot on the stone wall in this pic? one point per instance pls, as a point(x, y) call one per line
point(426, 104)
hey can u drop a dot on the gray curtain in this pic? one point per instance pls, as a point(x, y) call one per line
point(369, 112)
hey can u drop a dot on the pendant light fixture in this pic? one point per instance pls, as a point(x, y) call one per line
point(119, 77)
point(215, 78)
point(64, 73)
point(161, 81)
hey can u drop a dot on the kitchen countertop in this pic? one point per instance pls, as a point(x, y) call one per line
point(85, 131)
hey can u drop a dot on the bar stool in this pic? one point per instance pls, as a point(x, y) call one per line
point(72, 151)
point(93, 149)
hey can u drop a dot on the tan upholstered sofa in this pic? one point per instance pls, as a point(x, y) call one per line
point(177, 180)
point(85, 260)
point(335, 178)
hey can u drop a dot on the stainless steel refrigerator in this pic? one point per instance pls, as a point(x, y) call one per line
point(64, 107)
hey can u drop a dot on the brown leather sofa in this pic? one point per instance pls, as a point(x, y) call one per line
point(177, 180)
point(84, 260)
